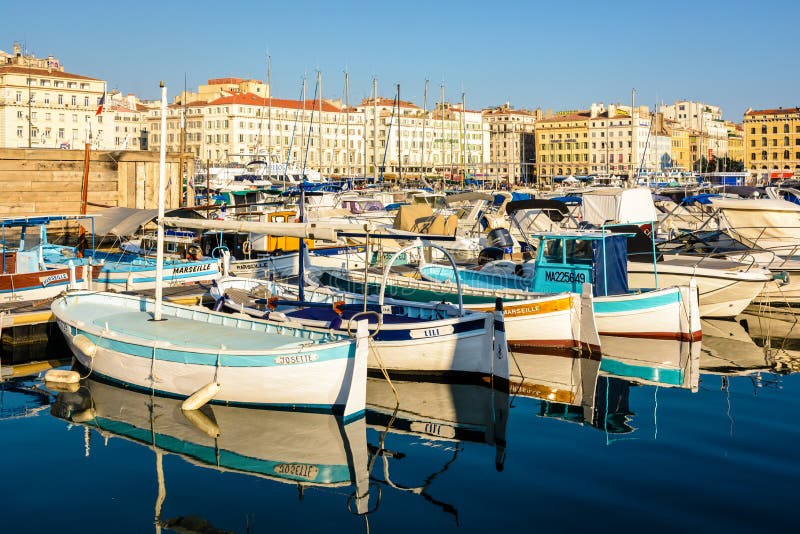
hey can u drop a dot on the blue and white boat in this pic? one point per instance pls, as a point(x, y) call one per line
point(567, 260)
point(408, 338)
point(203, 356)
point(252, 363)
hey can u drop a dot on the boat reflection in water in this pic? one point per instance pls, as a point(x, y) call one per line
point(729, 350)
point(595, 391)
point(443, 415)
point(777, 334)
point(654, 362)
point(566, 378)
point(299, 448)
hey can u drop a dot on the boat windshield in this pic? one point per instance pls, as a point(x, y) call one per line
point(712, 242)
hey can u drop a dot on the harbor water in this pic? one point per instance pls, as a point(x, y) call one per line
point(652, 435)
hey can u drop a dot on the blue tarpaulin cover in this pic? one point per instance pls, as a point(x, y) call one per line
point(615, 265)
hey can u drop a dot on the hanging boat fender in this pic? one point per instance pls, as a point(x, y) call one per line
point(202, 396)
point(85, 345)
point(62, 376)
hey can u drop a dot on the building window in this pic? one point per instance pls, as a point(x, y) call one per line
point(764, 129)
point(774, 129)
point(74, 100)
point(786, 154)
point(785, 128)
point(763, 141)
point(19, 131)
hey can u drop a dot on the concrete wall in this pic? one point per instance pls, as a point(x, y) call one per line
point(40, 182)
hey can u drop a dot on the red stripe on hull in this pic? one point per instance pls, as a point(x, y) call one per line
point(675, 336)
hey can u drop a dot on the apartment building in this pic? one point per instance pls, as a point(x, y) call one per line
point(562, 145)
point(772, 143)
point(512, 143)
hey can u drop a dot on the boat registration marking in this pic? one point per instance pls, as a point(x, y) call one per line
point(421, 333)
point(296, 358)
point(52, 278)
point(564, 276)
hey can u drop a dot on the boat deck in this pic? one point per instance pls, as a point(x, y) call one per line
point(182, 332)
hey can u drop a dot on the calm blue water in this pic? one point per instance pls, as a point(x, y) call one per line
point(701, 438)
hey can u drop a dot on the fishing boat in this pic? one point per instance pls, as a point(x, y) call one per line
point(567, 260)
point(561, 321)
point(25, 276)
point(189, 352)
point(407, 338)
point(126, 271)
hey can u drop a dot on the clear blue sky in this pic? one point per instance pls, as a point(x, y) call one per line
point(558, 55)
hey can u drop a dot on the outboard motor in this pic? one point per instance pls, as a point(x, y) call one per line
point(500, 238)
point(489, 254)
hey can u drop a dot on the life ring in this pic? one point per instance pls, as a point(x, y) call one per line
point(337, 307)
point(247, 247)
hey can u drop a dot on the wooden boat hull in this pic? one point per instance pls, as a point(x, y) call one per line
point(441, 344)
point(669, 313)
point(133, 277)
point(552, 321)
point(39, 285)
point(256, 364)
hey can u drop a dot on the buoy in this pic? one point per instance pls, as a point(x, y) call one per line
point(202, 422)
point(85, 345)
point(61, 387)
point(61, 376)
point(201, 397)
point(82, 417)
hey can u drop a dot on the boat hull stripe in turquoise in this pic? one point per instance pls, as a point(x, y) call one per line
point(670, 377)
point(205, 357)
point(622, 304)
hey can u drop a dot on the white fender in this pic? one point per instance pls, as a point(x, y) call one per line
point(61, 376)
point(202, 396)
point(85, 345)
point(356, 401)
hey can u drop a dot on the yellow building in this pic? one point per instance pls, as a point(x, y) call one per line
point(772, 143)
point(562, 145)
point(735, 141)
point(680, 146)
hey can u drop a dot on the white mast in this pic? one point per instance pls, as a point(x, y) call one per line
point(162, 171)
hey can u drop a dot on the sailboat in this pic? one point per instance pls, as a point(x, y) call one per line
point(203, 356)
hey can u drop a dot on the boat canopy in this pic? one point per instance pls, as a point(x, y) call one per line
point(618, 205)
point(565, 261)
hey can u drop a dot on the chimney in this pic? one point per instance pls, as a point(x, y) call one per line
point(612, 110)
point(593, 111)
point(16, 49)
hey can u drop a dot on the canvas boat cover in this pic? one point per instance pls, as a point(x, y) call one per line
point(758, 220)
point(419, 218)
point(617, 205)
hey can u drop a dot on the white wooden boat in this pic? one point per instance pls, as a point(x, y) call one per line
point(254, 363)
point(189, 352)
point(407, 337)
